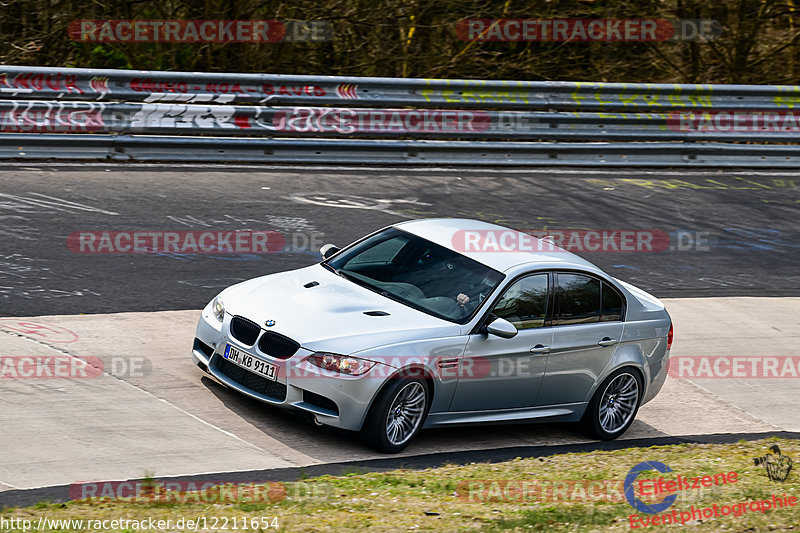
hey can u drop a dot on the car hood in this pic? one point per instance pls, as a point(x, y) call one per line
point(330, 316)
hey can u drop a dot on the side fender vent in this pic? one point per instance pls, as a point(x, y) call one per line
point(311, 284)
point(376, 313)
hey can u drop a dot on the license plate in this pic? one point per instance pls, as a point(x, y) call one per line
point(253, 364)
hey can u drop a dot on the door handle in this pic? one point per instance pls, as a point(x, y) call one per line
point(607, 341)
point(540, 348)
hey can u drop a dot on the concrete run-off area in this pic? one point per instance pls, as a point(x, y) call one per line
point(152, 412)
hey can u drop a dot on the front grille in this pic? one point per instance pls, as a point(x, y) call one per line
point(245, 331)
point(254, 382)
point(277, 345)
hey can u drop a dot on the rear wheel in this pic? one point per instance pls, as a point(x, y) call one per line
point(614, 406)
point(397, 415)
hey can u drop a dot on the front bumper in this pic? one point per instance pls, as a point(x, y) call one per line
point(336, 400)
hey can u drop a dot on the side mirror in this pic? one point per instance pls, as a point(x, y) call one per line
point(502, 328)
point(328, 250)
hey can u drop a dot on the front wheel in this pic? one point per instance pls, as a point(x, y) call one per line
point(614, 405)
point(397, 415)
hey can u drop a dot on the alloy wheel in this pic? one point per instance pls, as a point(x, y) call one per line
point(618, 404)
point(405, 413)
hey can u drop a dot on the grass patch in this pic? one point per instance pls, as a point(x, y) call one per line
point(441, 499)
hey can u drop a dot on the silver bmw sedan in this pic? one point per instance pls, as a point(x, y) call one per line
point(441, 322)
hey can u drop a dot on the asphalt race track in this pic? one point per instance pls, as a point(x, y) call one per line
point(732, 261)
point(738, 231)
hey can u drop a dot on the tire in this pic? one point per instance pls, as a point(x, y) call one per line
point(614, 405)
point(390, 426)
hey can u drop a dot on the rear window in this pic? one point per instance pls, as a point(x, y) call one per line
point(577, 299)
point(582, 299)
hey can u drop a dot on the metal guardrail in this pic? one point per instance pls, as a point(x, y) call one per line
point(273, 89)
point(330, 151)
point(89, 113)
point(110, 117)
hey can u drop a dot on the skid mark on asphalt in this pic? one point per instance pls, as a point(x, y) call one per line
point(346, 201)
point(279, 222)
point(23, 267)
point(23, 277)
point(47, 205)
point(9, 229)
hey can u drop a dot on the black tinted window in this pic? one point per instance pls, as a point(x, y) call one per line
point(524, 303)
point(612, 304)
point(577, 299)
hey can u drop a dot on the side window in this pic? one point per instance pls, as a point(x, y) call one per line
point(524, 303)
point(577, 299)
point(612, 304)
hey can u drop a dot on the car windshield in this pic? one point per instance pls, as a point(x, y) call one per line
point(418, 273)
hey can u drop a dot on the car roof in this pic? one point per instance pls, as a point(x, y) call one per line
point(446, 232)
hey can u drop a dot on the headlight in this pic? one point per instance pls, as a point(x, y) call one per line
point(218, 308)
point(352, 366)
